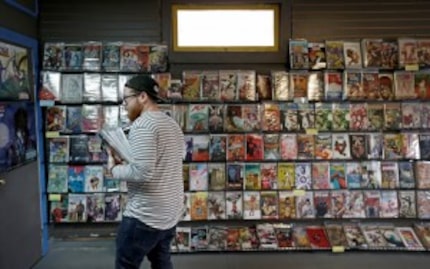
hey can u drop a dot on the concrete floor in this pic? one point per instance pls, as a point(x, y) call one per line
point(99, 254)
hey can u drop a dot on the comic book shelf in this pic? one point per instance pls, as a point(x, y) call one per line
point(329, 154)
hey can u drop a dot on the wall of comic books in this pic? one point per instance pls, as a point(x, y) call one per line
point(339, 139)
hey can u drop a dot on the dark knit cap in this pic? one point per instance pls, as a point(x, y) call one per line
point(144, 83)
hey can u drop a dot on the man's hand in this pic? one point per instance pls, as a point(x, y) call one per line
point(113, 159)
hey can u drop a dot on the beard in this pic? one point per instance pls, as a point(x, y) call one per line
point(134, 112)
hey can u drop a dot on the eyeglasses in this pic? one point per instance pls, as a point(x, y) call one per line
point(124, 99)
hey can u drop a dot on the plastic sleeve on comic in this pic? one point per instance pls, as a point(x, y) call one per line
point(51, 86)
point(92, 51)
point(280, 86)
point(72, 88)
point(109, 88)
point(352, 55)
point(53, 55)
point(92, 87)
point(72, 57)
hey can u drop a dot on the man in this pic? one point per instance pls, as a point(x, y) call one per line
point(154, 179)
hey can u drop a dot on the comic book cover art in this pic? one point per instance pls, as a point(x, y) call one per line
point(199, 206)
point(235, 173)
point(271, 120)
point(142, 52)
point(341, 117)
point(389, 207)
point(217, 176)
point(322, 202)
point(92, 118)
point(72, 57)
point(78, 149)
point(334, 54)
point(358, 144)
point(52, 55)
point(340, 146)
point(58, 149)
point(234, 204)
point(216, 118)
point(353, 85)
point(320, 176)
point(409, 238)
point(248, 238)
point(175, 90)
point(375, 117)
point(251, 118)
point(353, 175)
point(183, 238)
point(287, 205)
point(284, 235)
point(199, 177)
point(371, 172)
point(51, 86)
point(252, 176)
point(233, 238)
point(271, 146)
point(407, 204)
point(246, 85)
point(298, 51)
point(267, 236)
point(216, 205)
point(96, 207)
point(217, 238)
point(197, 117)
point(372, 203)
point(305, 147)
point(411, 115)
point(264, 87)
point(55, 119)
point(281, 86)
point(217, 148)
point(393, 146)
point(404, 83)
point(269, 176)
point(323, 116)
point(299, 84)
point(337, 176)
point(58, 210)
point(354, 236)
point(316, 86)
point(191, 85)
point(423, 230)
point(305, 206)
point(129, 59)
point(422, 84)
point(92, 88)
point(386, 86)
point(269, 204)
point(233, 118)
point(423, 52)
point(336, 235)
point(392, 116)
point(424, 144)
point(389, 175)
point(373, 236)
point(408, 52)
point(391, 236)
point(77, 208)
point(289, 116)
point(371, 88)
point(374, 145)
point(111, 56)
point(303, 175)
point(422, 174)
point(333, 82)
point(158, 58)
point(317, 55)
point(354, 205)
point(76, 178)
point(372, 53)
point(352, 55)
point(235, 147)
point(423, 204)
point(286, 176)
point(164, 82)
point(72, 88)
point(92, 55)
point(406, 175)
point(57, 179)
point(200, 148)
point(254, 147)
point(317, 237)
point(288, 146)
point(389, 54)
point(358, 116)
point(228, 85)
point(306, 116)
point(199, 238)
point(301, 240)
point(210, 85)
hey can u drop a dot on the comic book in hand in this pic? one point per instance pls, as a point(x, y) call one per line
point(116, 139)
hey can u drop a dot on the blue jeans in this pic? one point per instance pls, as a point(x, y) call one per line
point(135, 240)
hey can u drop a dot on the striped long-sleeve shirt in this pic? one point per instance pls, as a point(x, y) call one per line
point(154, 179)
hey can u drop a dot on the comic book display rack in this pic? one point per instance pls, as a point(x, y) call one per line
point(328, 154)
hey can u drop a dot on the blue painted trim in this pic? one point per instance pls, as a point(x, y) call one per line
point(32, 44)
point(25, 9)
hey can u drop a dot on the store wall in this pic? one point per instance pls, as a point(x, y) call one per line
point(20, 220)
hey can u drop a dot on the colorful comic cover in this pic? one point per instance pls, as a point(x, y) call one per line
point(217, 148)
point(372, 200)
point(284, 235)
point(233, 118)
point(389, 54)
point(52, 55)
point(235, 172)
point(251, 205)
point(422, 84)
point(200, 148)
point(333, 82)
point(334, 54)
point(216, 205)
point(354, 175)
point(339, 203)
point(375, 116)
point(92, 118)
point(199, 206)
point(269, 176)
point(317, 55)
point(392, 116)
point(158, 58)
point(286, 176)
point(372, 178)
point(341, 117)
point(271, 146)
point(320, 176)
point(422, 174)
point(391, 236)
point(164, 81)
point(336, 235)
point(393, 146)
point(216, 176)
point(317, 237)
point(305, 147)
point(355, 205)
point(301, 239)
point(92, 55)
point(305, 208)
point(352, 55)
point(337, 176)
point(78, 150)
point(234, 204)
point(423, 204)
point(389, 175)
point(341, 146)
point(407, 204)
point(246, 85)
point(55, 120)
point(254, 147)
point(197, 117)
point(406, 175)
point(57, 179)
point(251, 118)
point(58, 209)
point(306, 116)
point(299, 84)
point(411, 115)
point(371, 88)
point(76, 178)
point(287, 205)
point(236, 147)
point(374, 236)
point(386, 86)
point(264, 87)
point(269, 204)
point(77, 208)
point(199, 177)
point(288, 146)
point(354, 236)
point(423, 230)
point(322, 202)
point(252, 176)
point(271, 120)
point(407, 52)
point(374, 145)
point(72, 57)
point(281, 87)
point(389, 207)
point(358, 143)
point(411, 148)
point(298, 51)
point(111, 56)
point(353, 85)
point(316, 86)
point(323, 116)
point(58, 149)
point(358, 116)
point(303, 173)
point(228, 85)
point(51, 86)
point(96, 207)
point(289, 116)
point(191, 81)
point(323, 147)
point(372, 53)
point(217, 238)
point(404, 82)
point(409, 238)
point(210, 85)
